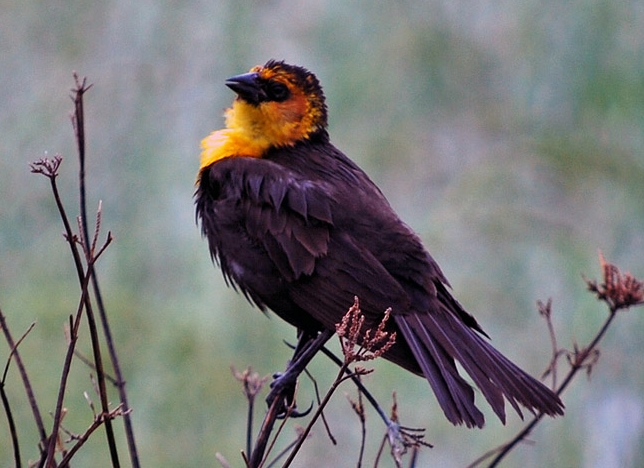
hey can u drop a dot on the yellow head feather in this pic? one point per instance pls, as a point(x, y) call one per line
point(252, 128)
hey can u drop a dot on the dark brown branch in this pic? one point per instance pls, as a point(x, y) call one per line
point(257, 456)
point(25, 378)
point(3, 395)
point(12, 426)
point(74, 326)
point(79, 130)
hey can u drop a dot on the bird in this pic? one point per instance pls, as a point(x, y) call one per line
point(300, 229)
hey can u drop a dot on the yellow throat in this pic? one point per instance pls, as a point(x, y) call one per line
point(251, 130)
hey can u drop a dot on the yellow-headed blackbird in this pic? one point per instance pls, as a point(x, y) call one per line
point(299, 228)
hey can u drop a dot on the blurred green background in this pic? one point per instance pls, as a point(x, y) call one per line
point(509, 135)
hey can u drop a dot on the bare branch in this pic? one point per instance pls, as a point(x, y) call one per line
point(619, 291)
point(99, 420)
point(81, 87)
point(23, 374)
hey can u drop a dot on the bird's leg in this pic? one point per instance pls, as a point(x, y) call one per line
point(283, 385)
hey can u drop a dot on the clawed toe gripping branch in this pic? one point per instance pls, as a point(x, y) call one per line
point(85, 251)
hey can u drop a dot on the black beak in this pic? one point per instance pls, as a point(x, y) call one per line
point(248, 87)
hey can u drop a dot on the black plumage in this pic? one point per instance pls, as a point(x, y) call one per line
point(300, 229)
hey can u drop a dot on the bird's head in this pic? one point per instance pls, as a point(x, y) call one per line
point(277, 105)
point(283, 103)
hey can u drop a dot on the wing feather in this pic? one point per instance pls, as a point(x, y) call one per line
point(270, 209)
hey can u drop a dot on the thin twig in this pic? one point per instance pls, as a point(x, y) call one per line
point(12, 426)
point(91, 365)
point(79, 129)
point(358, 408)
point(3, 394)
point(545, 310)
point(283, 452)
point(25, 378)
point(334, 386)
point(14, 346)
point(316, 389)
point(222, 460)
point(80, 440)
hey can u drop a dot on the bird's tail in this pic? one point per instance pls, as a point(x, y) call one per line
point(439, 338)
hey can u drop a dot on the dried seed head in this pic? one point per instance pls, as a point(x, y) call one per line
point(252, 383)
point(619, 291)
point(357, 346)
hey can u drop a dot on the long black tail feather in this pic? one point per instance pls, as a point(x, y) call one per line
point(439, 338)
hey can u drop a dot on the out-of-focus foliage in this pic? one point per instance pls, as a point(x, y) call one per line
point(510, 135)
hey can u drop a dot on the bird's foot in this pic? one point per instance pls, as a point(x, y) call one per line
point(283, 389)
point(402, 438)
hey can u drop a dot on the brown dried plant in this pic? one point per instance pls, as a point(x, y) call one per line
point(619, 291)
point(358, 347)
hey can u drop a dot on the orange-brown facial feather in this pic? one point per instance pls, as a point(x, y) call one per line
point(277, 105)
point(307, 98)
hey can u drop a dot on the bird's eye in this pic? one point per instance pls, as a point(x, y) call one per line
point(277, 91)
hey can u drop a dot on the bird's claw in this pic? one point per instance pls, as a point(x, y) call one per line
point(283, 385)
point(283, 388)
point(292, 412)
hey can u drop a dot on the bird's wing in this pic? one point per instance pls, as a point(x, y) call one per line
point(347, 271)
point(290, 220)
point(252, 208)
